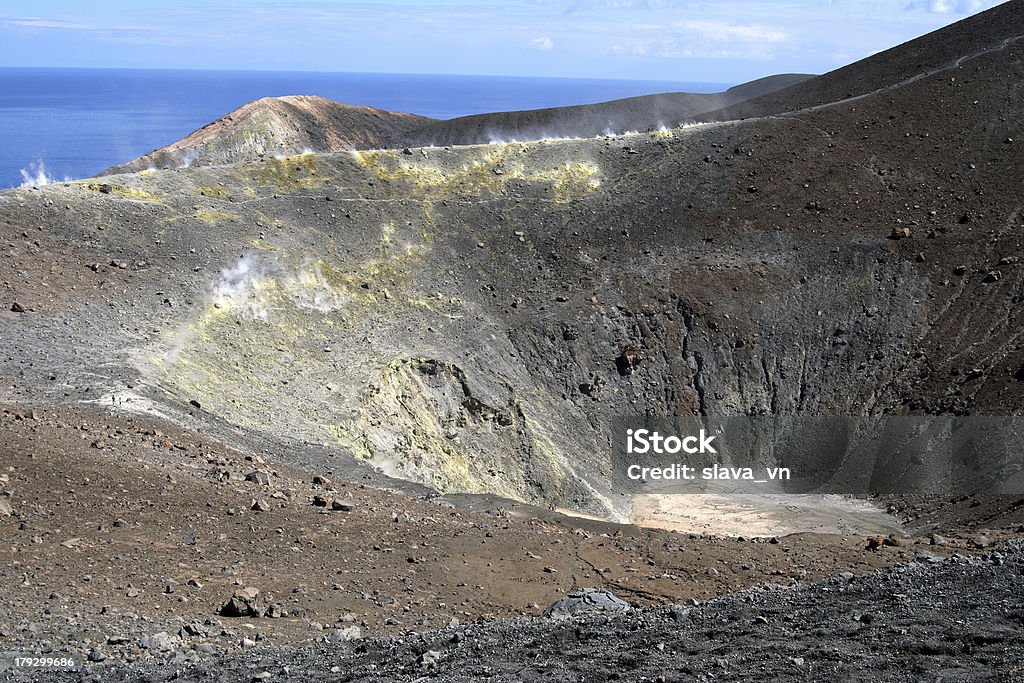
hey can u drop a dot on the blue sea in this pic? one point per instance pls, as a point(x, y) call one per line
point(72, 123)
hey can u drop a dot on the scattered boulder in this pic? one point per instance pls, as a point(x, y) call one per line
point(900, 232)
point(6, 510)
point(322, 481)
point(429, 659)
point(344, 635)
point(191, 629)
point(158, 642)
point(628, 361)
point(17, 308)
point(593, 387)
point(585, 601)
point(245, 602)
point(342, 505)
point(892, 540)
point(257, 477)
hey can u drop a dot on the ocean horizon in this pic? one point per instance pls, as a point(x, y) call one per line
point(66, 123)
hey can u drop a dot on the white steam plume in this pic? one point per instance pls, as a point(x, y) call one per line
point(35, 175)
point(255, 288)
point(237, 287)
point(252, 285)
point(186, 158)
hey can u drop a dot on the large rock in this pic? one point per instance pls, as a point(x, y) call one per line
point(158, 642)
point(245, 602)
point(344, 635)
point(586, 601)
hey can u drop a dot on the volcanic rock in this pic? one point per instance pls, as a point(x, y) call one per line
point(245, 602)
point(586, 601)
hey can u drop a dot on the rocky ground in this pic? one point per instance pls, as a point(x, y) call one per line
point(933, 619)
point(123, 540)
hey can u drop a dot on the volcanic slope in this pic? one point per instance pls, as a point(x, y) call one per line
point(274, 126)
point(940, 51)
point(473, 318)
point(645, 113)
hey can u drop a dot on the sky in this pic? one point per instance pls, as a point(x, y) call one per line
point(723, 41)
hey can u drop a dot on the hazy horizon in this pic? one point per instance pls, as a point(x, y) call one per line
point(718, 84)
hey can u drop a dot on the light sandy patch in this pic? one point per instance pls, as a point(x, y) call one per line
point(761, 514)
point(129, 402)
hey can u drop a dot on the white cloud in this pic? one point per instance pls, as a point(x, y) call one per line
point(35, 22)
point(726, 31)
point(950, 6)
point(635, 48)
point(703, 38)
point(61, 25)
point(543, 43)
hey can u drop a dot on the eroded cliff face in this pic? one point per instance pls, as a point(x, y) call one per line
point(376, 339)
point(475, 318)
point(487, 319)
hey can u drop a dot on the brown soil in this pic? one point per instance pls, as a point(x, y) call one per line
point(109, 512)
